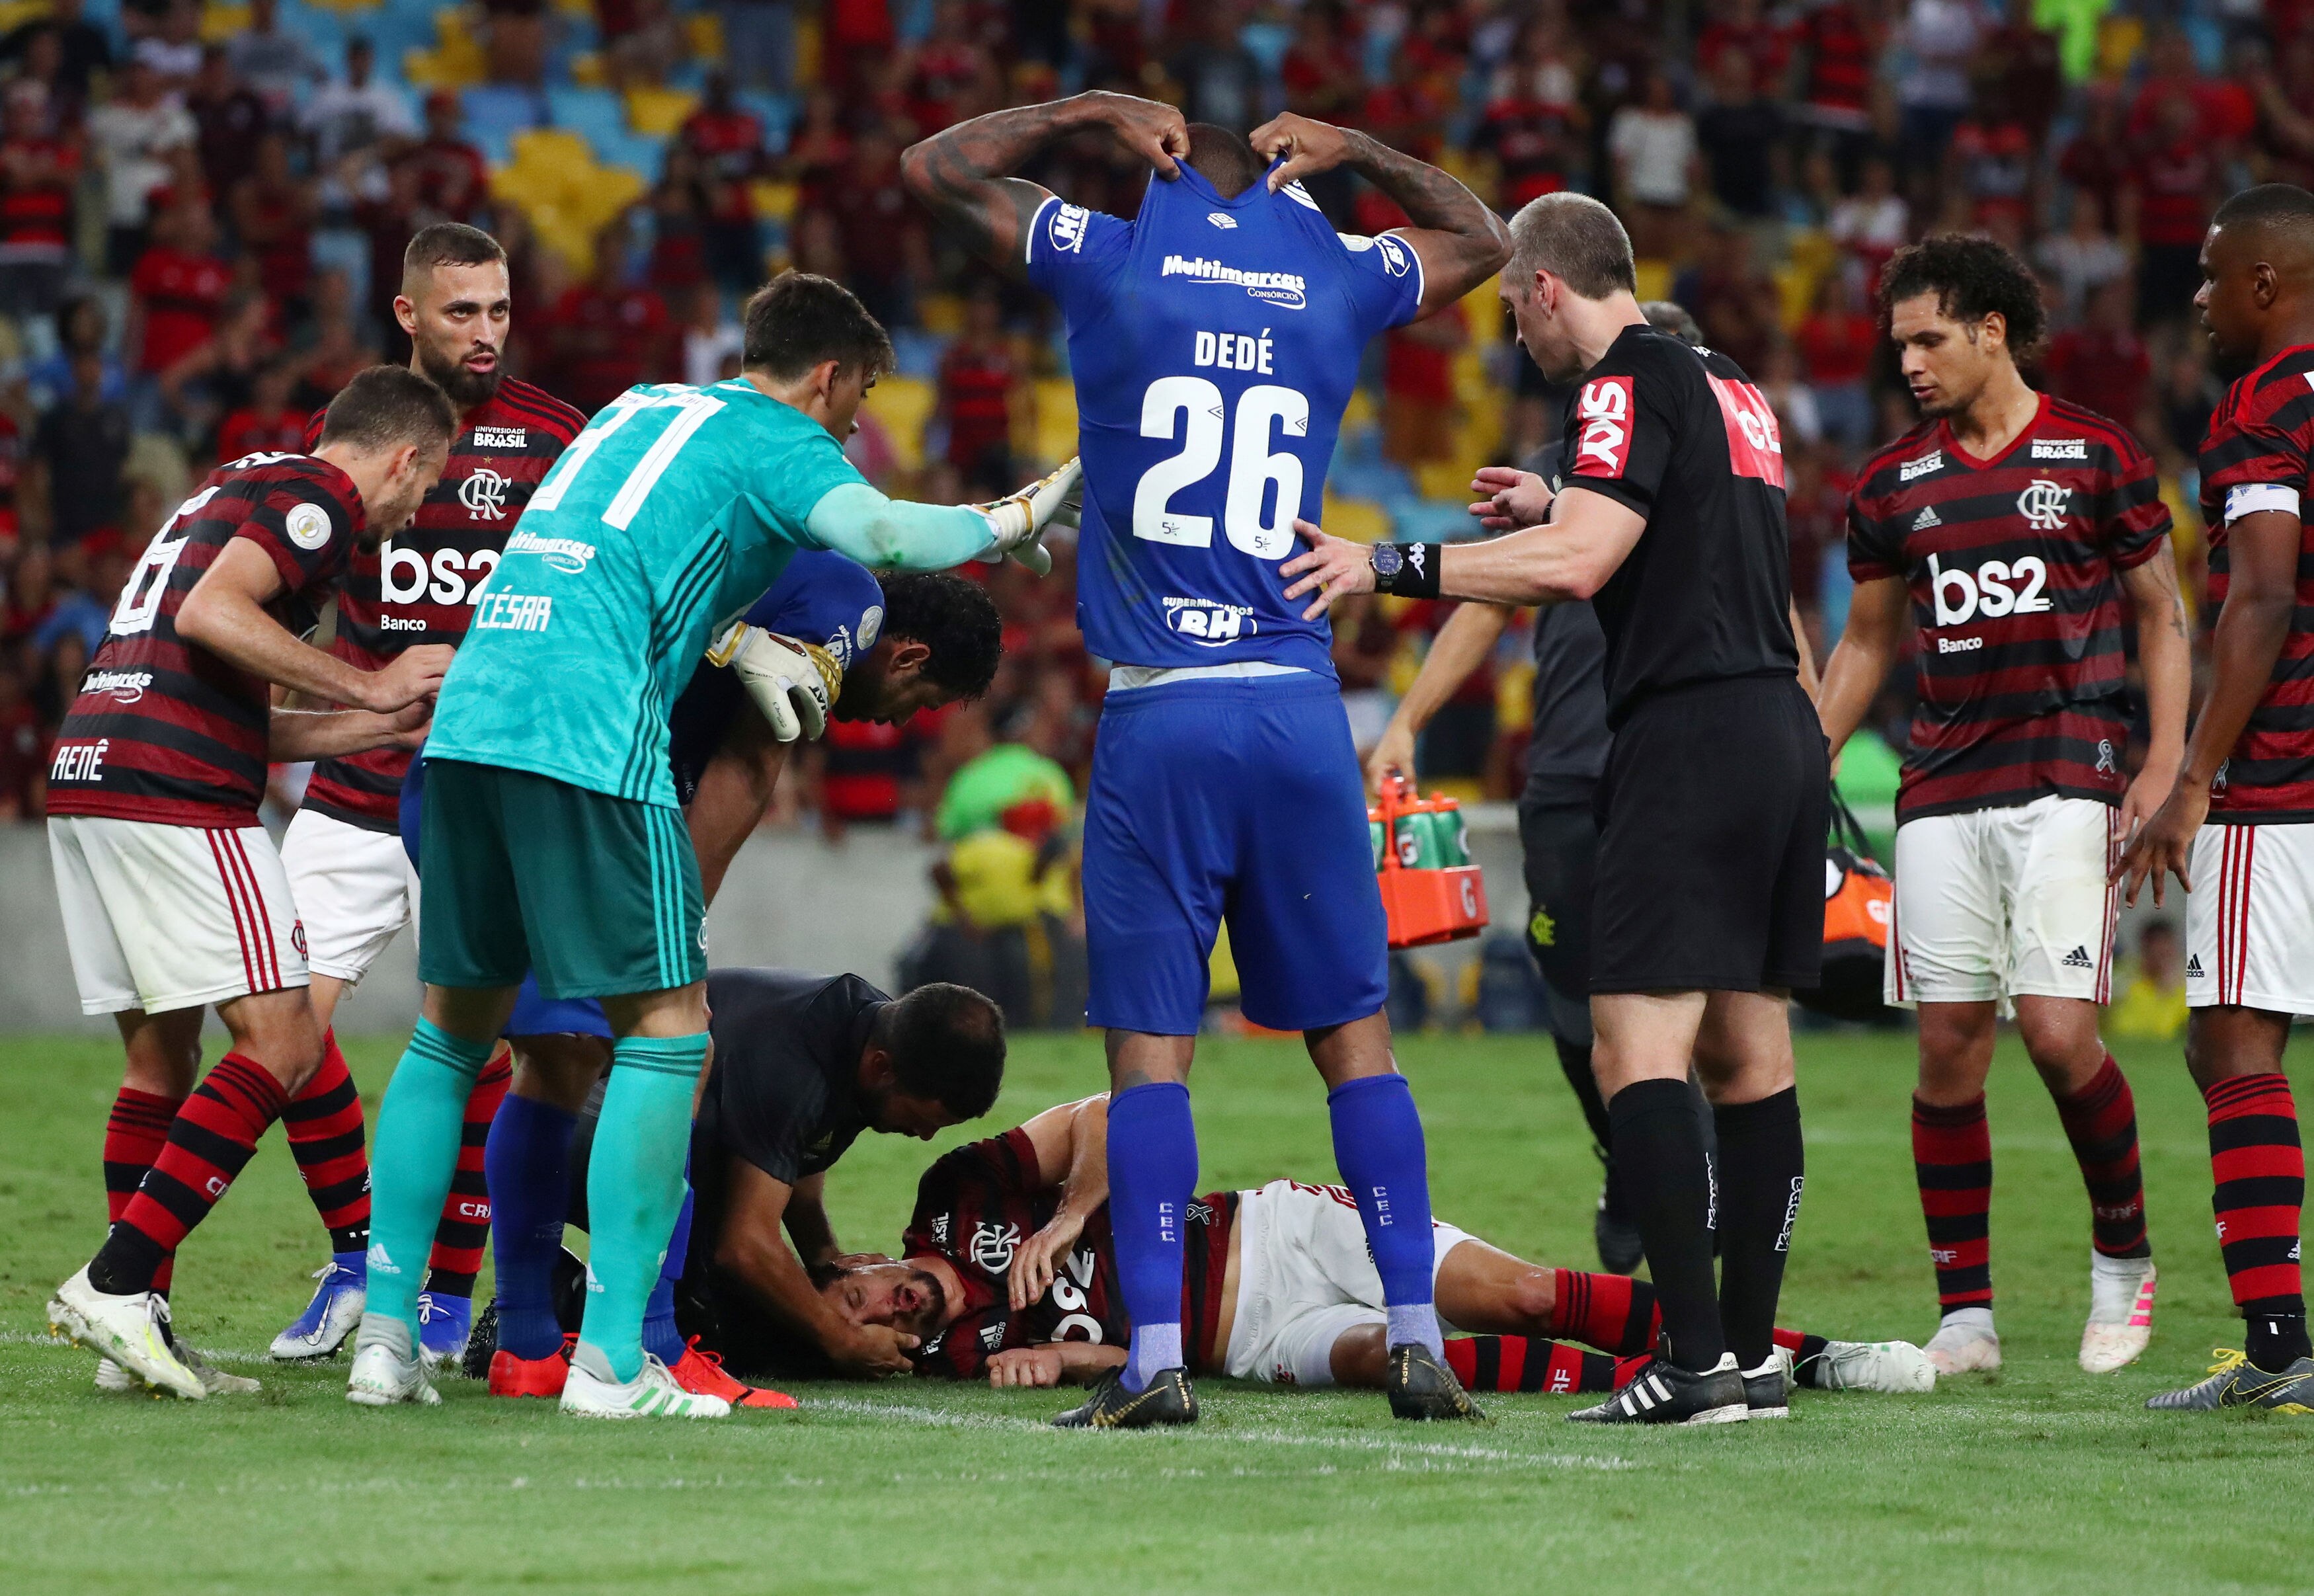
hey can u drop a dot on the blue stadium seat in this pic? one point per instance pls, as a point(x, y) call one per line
point(495, 113)
point(594, 114)
point(777, 112)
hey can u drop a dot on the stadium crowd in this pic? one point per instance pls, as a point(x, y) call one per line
point(195, 203)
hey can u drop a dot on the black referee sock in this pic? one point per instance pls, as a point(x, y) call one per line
point(1660, 1163)
point(1762, 1172)
point(1574, 1059)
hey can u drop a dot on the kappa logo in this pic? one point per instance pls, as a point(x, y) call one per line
point(2044, 504)
point(1934, 460)
point(2194, 966)
point(1227, 224)
point(1791, 1214)
point(501, 438)
point(2060, 448)
point(2079, 958)
point(484, 494)
point(1068, 227)
point(993, 1245)
point(1603, 445)
point(1927, 518)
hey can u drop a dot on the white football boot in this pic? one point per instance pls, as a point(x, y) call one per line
point(2121, 1312)
point(589, 1392)
point(385, 1371)
point(1896, 1366)
point(131, 1330)
point(1965, 1344)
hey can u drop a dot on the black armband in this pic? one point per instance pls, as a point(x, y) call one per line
point(1407, 571)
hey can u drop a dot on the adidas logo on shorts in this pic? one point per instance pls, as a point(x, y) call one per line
point(2194, 967)
point(1927, 518)
point(2077, 959)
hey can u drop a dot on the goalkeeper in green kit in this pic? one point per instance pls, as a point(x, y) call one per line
point(551, 841)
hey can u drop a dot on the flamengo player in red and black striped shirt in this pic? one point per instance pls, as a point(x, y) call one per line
point(1013, 1231)
point(173, 897)
point(2012, 526)
point(2249, 774)
point(354, 884)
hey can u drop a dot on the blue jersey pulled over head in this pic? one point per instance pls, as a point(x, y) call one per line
point(1214, 344)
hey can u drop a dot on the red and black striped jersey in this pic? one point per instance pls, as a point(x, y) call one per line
point(977, 1204)
point(2255, 458)
point(2014, 566)
point(163, 730)
point(420, 584)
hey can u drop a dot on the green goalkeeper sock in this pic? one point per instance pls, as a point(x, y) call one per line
point(419, 1128)
point(635, 1188)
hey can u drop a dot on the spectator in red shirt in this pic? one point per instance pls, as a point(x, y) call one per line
point(1319, 71)
point(854, 34)
point(1419, 412)
point(1835, 344)
point(2175, 185)
point(177, 290)
point(2102, 363)
point(1405, 112)
point(2225, 113)
point(1837, 49)
point(678, 210)
point(727, 144)
point(980, 390)
point(883, 242)
point(1741, 28)
point(2099, 161)
point(391, 222)
point(37, 174)
point(273, 217)
point(819, 148)
point(1991, 160)
point(230, 118)
point(453, 177)
point(607, 334)
point(269, 422)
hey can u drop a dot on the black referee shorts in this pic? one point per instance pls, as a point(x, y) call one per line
point(1711, 842)
point(1559, 844)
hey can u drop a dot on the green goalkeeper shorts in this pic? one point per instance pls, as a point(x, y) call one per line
point(518, 872)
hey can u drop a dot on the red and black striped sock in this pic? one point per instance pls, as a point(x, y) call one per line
point(135, 1133)
point(1612, 1312)
point(210, 1141)
point(323, 1123)
point(465, 1229)
point(1805, 1350)
point(2100, 1121)
point(1952, 1158)
point(1527, 1364)
point(2260, 1170)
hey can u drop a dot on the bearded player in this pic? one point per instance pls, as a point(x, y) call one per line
point(2238, 830)
point(1215, 339)
point(2015, 529)
point(172, 895)
point(352, 881)
point(1009, 1270)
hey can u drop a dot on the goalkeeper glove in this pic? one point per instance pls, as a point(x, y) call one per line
point(794, 683)
point(1021, 519)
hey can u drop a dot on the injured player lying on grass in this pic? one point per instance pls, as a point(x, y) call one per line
point(1008, 1271)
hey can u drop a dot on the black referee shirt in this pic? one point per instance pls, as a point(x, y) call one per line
point(1681, 435)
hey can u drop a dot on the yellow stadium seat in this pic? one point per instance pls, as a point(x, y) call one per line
point(941, 314)
point(1055, 403)
point(775, 199)
point(807, 49)
point(1654, 279)
point(587, 71)
point(347, 6)
point(904, 405)
point(577, 8)
point(1359, 412)
point(13, 13)
point(656, 113)
point(703, 31)
point(1360, 520)
point(218, 23)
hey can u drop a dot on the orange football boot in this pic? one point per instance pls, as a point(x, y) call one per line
point(702, 1372)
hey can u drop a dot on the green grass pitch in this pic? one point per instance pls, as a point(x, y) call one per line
point(2042, 1479)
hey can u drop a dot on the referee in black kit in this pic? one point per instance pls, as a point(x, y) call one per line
point(1708, 906)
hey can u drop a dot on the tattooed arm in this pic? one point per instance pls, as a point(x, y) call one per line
point(960, 175)
point(1461, 242)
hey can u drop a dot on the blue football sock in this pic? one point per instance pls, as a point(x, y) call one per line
point(1153, 1173)
point(635, 1188)
point(528, 1163)
point(419, 1126)
point(1378, 1148)
point(661, 1339)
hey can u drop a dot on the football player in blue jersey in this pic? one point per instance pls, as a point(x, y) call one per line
point(1215, 338)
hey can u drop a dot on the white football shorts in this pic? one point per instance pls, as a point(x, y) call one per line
point(354, 887)
point(168, 917)
point(2249, 922)
point(2000, 904)
point(1304, 1278)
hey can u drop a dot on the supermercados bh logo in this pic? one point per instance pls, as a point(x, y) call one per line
point(124, 686)
point(1066, 230)
point(1207, 622)
point(564, 554)
point(1277, 287)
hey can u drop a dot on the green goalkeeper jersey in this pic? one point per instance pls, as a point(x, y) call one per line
point(668, 516)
